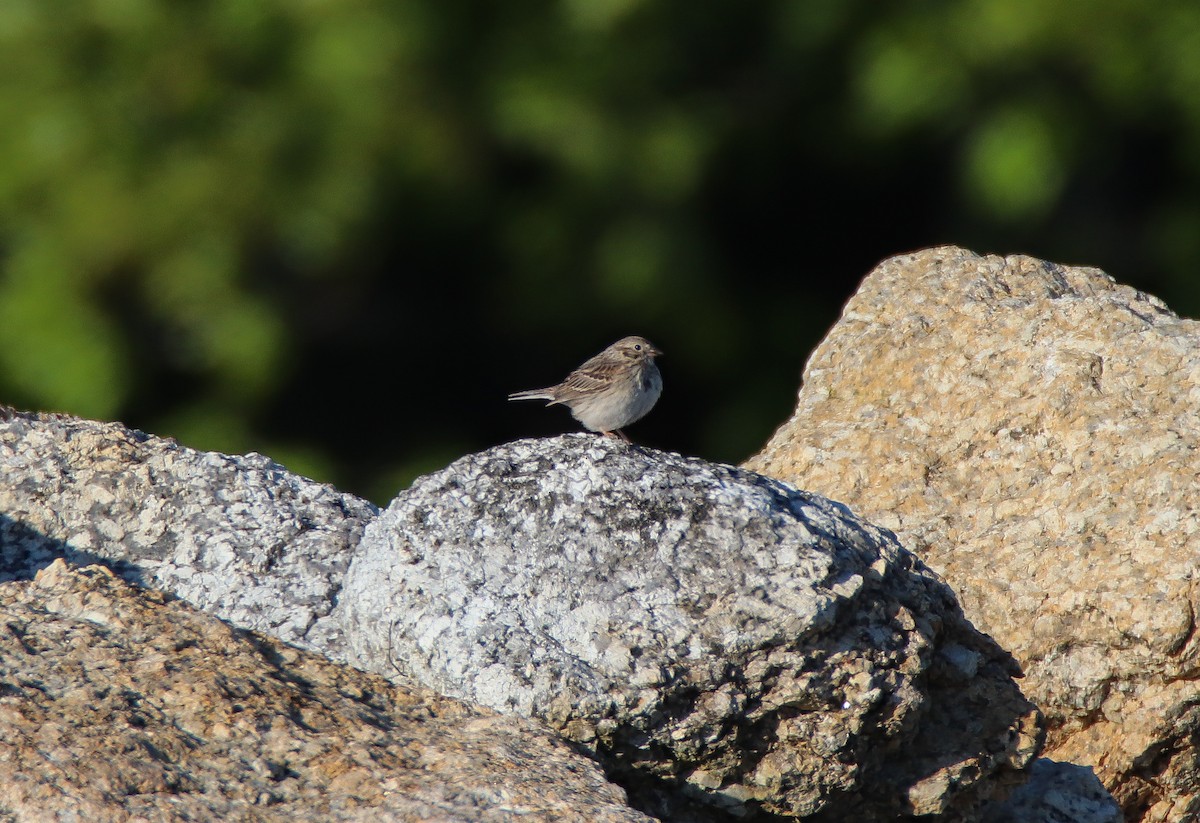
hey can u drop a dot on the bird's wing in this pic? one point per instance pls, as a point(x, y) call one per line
point(593, 376)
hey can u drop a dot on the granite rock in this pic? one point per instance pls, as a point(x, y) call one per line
point(1057, 793)
point(118, 703)
point(238, 536)
point(724, 643)
point(1030, 430)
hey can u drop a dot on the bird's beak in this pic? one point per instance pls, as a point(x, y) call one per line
point(655, 352)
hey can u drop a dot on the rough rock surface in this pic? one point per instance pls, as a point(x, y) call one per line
point(701, 629)
point(1031, 431)
point(1057, 793)
point(240, 536)
point(120, 704)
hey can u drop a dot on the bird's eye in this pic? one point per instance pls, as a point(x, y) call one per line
point(637, 346)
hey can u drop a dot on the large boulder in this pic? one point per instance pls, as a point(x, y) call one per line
point(724, 643)
point(123, 704)
point(1030, 430)
point(239, 536)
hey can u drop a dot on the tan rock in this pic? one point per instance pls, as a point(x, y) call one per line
point(122, 704)
point(1031, 431)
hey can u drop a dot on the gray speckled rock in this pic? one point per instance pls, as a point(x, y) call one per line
point(707, 632)
point(240, 537)
point(1057, 793)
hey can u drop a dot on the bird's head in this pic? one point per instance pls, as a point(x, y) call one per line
point(636, 348)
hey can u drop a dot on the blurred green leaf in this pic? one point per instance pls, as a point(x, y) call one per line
point(631, 257)
point(1014, 168)
point(905, 83)
point(56, 346)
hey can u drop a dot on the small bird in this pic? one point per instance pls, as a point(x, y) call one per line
point(617, 387)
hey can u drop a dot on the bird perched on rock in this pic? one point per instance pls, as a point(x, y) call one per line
point(611, 390)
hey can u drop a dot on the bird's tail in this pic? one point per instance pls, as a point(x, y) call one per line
point(533, 394)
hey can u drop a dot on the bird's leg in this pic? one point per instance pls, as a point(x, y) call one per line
point(620, 435)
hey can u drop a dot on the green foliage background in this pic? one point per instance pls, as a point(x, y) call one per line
point(339, 231)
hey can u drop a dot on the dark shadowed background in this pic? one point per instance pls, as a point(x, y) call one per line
point(340, 231)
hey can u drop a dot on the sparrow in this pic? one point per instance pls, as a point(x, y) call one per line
point(610, 391)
